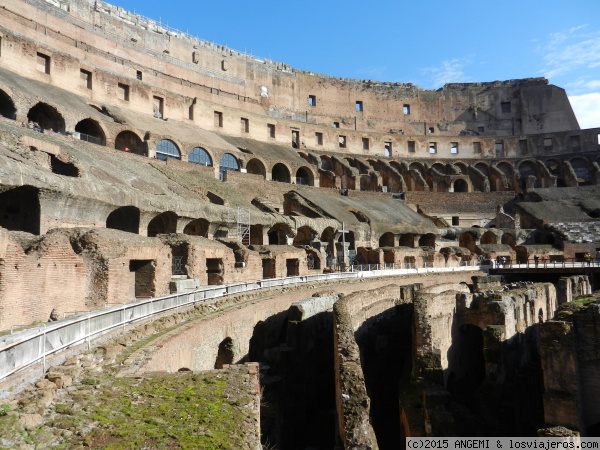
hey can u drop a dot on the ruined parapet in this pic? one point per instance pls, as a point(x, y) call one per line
point(572, 287)
point(571, 366)
point(352, 315)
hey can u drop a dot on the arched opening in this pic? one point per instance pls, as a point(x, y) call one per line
point(581, 167)
point(225, 353)
point(228, 162)
point(427, 240)
point(184, 369)
point(128, 141)
point(20, 209)
point(7, 106)
point(304, 176)
point(278, 234)
point(440, 168)
point(256, 167)
point(165, 223)
point(509, 239)
point(462, 168)
point(526, 169)
point(125, 218)
point(461, 185)
point(47, 117)
point(467, 367)
point(280, 173)
point(418, 167)
point(327, 237)
point(483, 168)
point(488, 238)
point(256, 234)
point(89, 130)
point(348, 238)
point(167, 149)
point(386, 240)
point(467, 240)
point(304, 236)
point(197, 227)
point(200, 156)
point(407, 240)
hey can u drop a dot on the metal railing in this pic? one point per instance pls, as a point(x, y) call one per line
point(26, 348)
point(565, 263)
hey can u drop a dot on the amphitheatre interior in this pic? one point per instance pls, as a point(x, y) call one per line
point(138, 162)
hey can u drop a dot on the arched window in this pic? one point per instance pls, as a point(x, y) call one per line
point(228, 162)
point(167, 149)
point(199, 156)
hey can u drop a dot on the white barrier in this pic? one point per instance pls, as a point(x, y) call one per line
point(22, 349)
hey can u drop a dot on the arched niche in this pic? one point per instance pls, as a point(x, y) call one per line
point(47, 117)
point(280, 173)
point(7, 106)
point(256, 167)
point(20, 209)
point(125, 218)
point(461, 185)
point(197, 227)
point(387, 240)
point(304, 176)
point(164, 223)
point(89, 130)
point(130, 142)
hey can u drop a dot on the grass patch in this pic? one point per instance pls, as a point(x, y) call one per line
point(187, 411)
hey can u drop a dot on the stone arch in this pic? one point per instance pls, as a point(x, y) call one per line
point(328, 236)
point(387, 240)
point(228, 162)
point(460, 185)
point(509, 239)
point(441, 168)
point(462, 167)
point(279, 233)
point(489, 237)
point(129, 141)
point(125, 218)
point(225, 353)
point(427, 240)
point(581, 167)
point(526, 169)
point(304, 236)
point(166, 148)
point(418, 167)
point(255, 166)
point(326, 162)
point(406, 240)
point(506, 168)
point(20, 209)
point(197, 227)
point(47, 117)
point(483, 168)
point(280, 173)
point(91, 131)
point(467, 240)
point(305, 176)
point(201, 156)
point(7, 106)
point(164, 223)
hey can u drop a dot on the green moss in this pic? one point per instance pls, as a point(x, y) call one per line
point(168, 411)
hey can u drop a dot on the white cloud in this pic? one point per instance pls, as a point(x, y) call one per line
point(449, 72)
point(587, 109)
point(571, 50)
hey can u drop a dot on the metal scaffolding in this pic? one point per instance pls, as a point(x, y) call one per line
point(241, 217)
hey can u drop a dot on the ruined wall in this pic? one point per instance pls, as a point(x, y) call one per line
point(47, 275)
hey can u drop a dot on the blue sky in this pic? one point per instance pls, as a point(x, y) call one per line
point(425, 43)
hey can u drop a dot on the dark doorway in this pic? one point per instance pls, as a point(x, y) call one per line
point(125, 218)
point(165, 223)
point(214, 271)
point(7, 107)
point(20, 209)
point(293, 267)
point(268, 266)
point(225, 353)
point(143, 278)
point(89, 130)
point(47, 117)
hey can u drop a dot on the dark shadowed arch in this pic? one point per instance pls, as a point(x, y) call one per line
point(278, 234)
point(305, 235)
point(129, 141)
point(47, 117)
point(165, 223)
point(488, 238)
point(91, 131)
point(7, 106)
point(304, 176)
point(125, 218)
point(225, 353)
point(387, 240)
point(461, 185)
point(197, 227)
point(427, 240)
point(20, 209)
point(467, 240)
point(509, 239)
point(280, 173)
point(256, 167)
